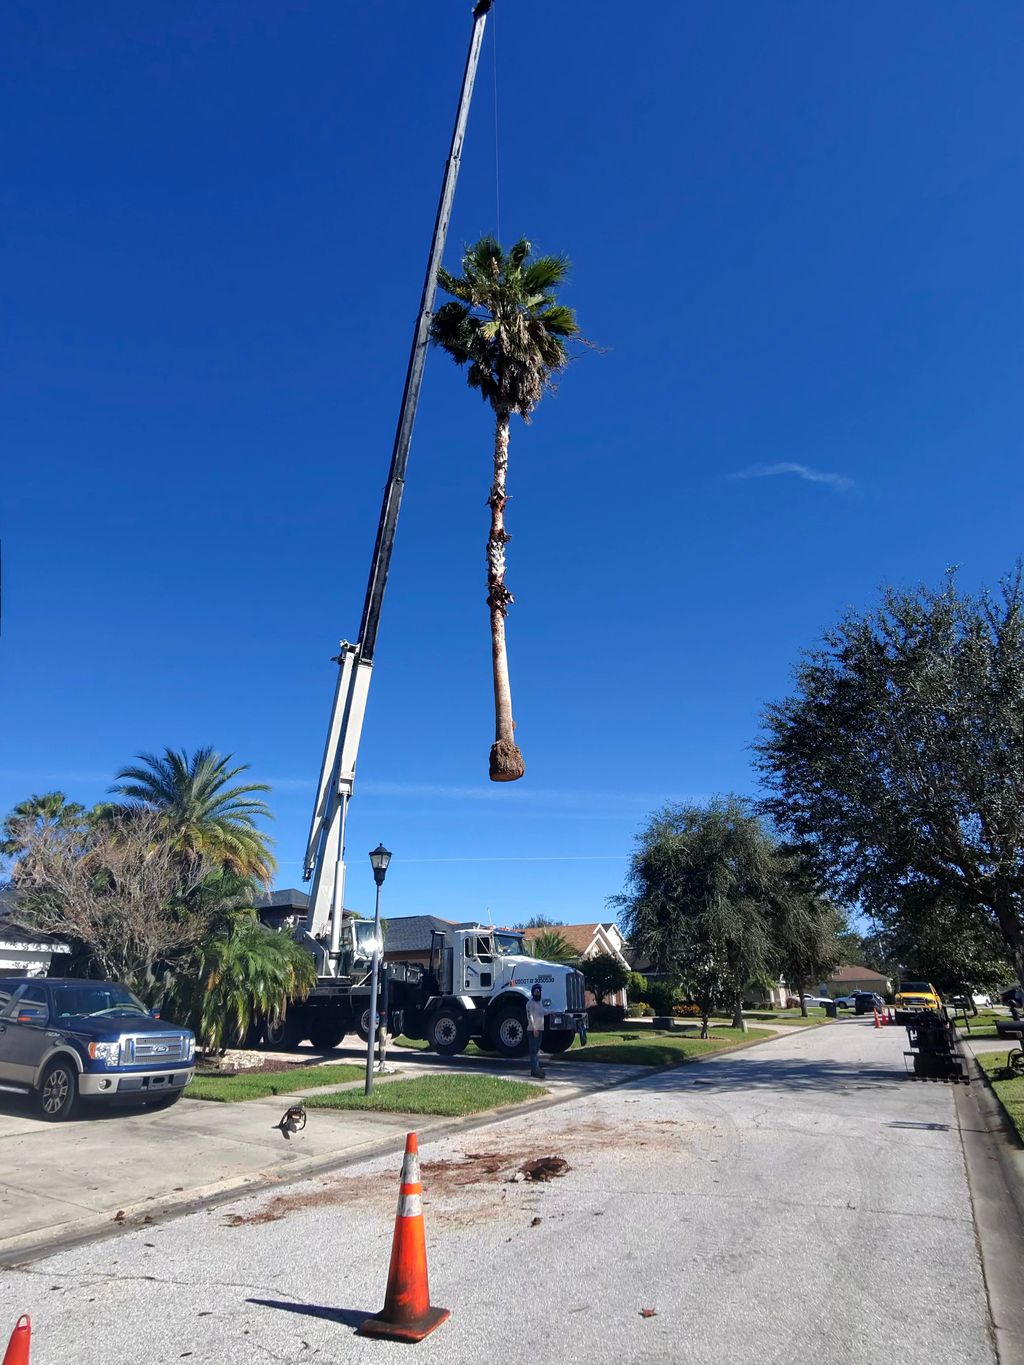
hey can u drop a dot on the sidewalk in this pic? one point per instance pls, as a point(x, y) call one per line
point(68, 1182)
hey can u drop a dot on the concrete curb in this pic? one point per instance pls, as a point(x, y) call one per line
point(21, 1251)
point(995, 1173)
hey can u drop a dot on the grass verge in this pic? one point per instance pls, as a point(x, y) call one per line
point(230, 1089)
point(453, 1096)
point(1009, 1093)
point(660, 1049)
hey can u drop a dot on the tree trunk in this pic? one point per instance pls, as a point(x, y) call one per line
point(704, 1025)
point(737, 1016)
point(800, 992)
point(506, 763)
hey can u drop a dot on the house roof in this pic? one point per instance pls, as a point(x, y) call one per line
point(411, 933)
point(578, 936)
point(290, 899)
point(13, 934)
point(853, 972)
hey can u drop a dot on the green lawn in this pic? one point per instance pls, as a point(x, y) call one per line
point(1010, 1093)
point(983, 1025)
point(453, 1095)
point(654, 1048)
point(814, 1016)
point(232, 1088)
point(639, 1046)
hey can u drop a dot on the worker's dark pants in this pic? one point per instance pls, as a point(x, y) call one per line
point(534, 1051)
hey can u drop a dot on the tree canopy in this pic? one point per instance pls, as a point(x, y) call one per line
point(699, 898)
point(203, 816)
point(897, 764)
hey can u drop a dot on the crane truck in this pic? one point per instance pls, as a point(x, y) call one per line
point(478, 978)
point(474, 987)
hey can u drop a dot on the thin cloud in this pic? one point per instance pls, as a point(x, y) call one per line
point(840, 482)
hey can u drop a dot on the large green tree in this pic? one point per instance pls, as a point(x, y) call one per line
point(699, 898)
point(202, 814)
point(805, 928)
point(504, 322)
point(897, 764)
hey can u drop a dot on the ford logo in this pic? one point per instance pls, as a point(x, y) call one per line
point(161, 1047)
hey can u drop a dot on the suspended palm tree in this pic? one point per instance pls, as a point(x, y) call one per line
point(204, 816)
point(506, 325)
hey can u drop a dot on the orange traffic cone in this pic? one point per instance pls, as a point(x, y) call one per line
point(21, 1339)
point(407, 1314)
point(878, 1021)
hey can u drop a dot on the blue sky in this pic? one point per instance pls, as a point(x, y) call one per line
point(795, 233)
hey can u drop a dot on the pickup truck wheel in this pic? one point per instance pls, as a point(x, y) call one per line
point(557, 1040)
point(326, 1034)
point(448, 1032)
point(58, 1091)
point(509, 1031)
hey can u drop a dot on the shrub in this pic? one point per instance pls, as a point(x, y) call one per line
point(636, 986)
point(643, 1010)
point(606, 1014)
point(687, 1010)
point(662, 996)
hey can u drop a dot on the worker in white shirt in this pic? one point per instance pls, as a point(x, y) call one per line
point(535, 1029)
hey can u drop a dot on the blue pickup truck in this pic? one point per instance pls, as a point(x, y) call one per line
point(62, 1040)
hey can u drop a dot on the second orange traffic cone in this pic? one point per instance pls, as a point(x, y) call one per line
point(878, 1019)
point(21, 1340)
point(407, 1314)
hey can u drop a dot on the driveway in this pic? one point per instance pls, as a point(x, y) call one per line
point(798, 1201)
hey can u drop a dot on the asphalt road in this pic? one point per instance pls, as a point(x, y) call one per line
point(800, 1201)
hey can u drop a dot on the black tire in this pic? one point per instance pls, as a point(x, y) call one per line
point(363, 1025)
point(58, 1091)
point(508, 1029)
point(286, 1033)
point(447, 1031)
point(325, 1033)
point(557, 1040)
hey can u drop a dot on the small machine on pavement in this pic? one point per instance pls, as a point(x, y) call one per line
point(936, 1052)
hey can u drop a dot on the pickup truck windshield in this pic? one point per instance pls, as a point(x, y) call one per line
point(915, 988)
point(103, 998)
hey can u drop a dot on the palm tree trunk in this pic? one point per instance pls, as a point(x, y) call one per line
point(506, 763)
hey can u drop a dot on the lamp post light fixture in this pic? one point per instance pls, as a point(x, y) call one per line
point(379, 859)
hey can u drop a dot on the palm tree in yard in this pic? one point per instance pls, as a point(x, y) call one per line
point(237, 978)
point(204, 815)
point(506, 325)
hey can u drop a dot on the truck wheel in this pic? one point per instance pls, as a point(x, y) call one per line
point(448, 1031)
point(363, 1026)
point(509, 1031)
point(557, 1040)
point(325, 1033)
point(286, 1033)
point(58, 1091)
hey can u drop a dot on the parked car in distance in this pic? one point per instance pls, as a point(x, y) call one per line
point(846, 1002)
point(62, 1040)
point(971, 1001)
point(866, 1002)
point(812, 1000)
point(913, 996)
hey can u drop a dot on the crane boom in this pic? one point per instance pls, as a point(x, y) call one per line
point(325, 848)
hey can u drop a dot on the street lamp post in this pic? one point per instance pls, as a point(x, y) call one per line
point(379, 859)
